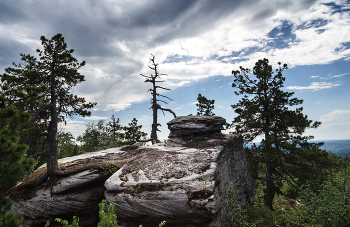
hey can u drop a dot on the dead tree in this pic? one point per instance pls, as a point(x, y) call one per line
point(154, 101)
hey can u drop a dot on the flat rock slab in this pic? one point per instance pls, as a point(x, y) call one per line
point(76, 181)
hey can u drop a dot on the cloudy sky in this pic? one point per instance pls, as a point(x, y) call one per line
point(197, 44)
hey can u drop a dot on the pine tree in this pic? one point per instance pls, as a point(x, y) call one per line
point(113, 128)
point(205, 106)
point(14, 165)
point(133, 132)
point(284, 153)
point(154, 101)
point(56, 73)
point(24, 89)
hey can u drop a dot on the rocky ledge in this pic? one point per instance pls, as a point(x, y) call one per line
point(183, 185)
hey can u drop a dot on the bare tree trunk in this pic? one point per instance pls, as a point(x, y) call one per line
point(155, 117)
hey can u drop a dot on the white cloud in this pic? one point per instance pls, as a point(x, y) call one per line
point(315, 86)
point(94, 118)
point(312, 77)
point(75, 127)
point(336, 117)
point(340, 75)
point(179, 84)
point(222, 107)
point(335, 125)
point(117, 43)
point(193, 103)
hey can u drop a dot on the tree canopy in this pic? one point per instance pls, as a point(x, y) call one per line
point(205, 106)
point(284, 153)
point(14, 165)
point(45, 85)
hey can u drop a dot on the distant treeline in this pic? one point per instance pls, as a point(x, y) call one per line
point(339, 147)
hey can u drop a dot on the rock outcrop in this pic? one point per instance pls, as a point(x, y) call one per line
point(184, 185)
point(191, 128)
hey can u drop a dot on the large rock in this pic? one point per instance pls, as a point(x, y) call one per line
point(77, 193)
point(191, 128)
point(185, 186)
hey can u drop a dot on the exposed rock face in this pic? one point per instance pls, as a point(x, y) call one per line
point(189, 128)
point(181, 185)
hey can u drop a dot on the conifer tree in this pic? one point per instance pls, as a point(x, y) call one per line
point(154, 101)
point(56, 74)
point(14, 165)
point(205, 106)
point(23, 88)
point(284, 153)
point(133, 132)
point(114, 127)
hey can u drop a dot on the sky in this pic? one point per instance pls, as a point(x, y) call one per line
point(197, 44)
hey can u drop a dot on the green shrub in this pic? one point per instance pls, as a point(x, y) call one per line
point(108, 219)
point(65, 222)
point(287, 215)
point(251, 216)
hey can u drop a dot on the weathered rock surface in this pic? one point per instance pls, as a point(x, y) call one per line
point(181, 185)
point(190, 128)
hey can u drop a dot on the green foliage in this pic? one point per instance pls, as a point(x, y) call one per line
point(162, 224)
point(113, 128)
point(133, 132)
point(45, 85)
point(112, 168)
point(205, 106)
point(284, 154)
point(66, 145)
point(94, 136)
point(108, 135)
point(203, 181)
point(108, 219)
point(21, 87)
point(285, 214)
point(14, 165)
point(253, 216)
point(330, 204)
point(65, 222)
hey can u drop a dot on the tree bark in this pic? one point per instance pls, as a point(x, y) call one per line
point(155, 117)
point(52, 165)
point(269, 192)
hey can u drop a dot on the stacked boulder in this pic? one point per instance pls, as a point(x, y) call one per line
point(186, 129)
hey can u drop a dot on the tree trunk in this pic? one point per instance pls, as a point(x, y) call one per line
point(52, 165)
point(269, 192)
point(155, 110)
